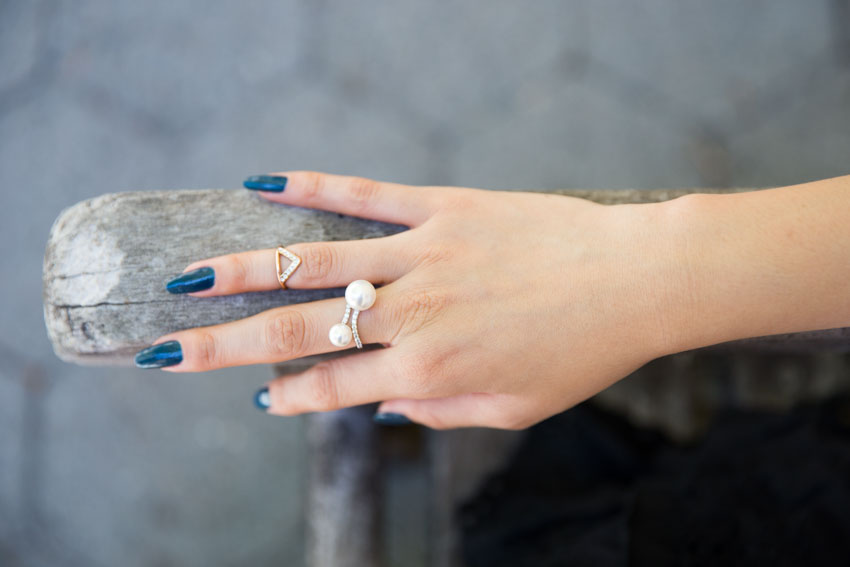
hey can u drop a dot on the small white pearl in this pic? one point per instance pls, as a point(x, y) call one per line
point(340, 335)
point(360, 295)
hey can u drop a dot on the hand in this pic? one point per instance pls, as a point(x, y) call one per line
point(496, 309)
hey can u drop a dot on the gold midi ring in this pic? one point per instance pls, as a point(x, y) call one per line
point(294, 262)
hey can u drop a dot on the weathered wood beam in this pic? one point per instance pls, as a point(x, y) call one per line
point(108, 258)
point(343, 492)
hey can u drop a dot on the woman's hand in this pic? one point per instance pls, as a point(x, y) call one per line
point(497, 309)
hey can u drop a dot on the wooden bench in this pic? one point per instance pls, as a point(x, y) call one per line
point(108, 259)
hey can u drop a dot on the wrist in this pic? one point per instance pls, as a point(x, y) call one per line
point(755, 263)
point(697, 285)
point(666, 286)
point(683, 291)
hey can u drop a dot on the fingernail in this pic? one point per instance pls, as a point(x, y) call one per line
point(262, 400)
point(157, 356)
point(196, 280)
point(275, 183)
point(390, 419)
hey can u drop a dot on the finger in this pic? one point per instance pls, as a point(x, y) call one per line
point(276, 335)
point(463, 410)
point(337, 383)
point(356, 196)
point(323, 265)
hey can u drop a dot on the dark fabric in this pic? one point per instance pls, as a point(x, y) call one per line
point(585, 488)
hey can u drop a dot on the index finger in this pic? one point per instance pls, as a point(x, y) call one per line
point(356, 196)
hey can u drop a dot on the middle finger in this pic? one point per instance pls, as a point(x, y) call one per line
point(323, 265)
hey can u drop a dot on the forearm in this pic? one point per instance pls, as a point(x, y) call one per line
point(759, 263)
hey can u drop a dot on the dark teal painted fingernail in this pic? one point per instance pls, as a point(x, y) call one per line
point(275, 183)
point(390, 419)
point(157, 356)
point(262, 400)
point(196, 280)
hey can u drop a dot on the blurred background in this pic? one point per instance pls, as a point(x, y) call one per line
point(118, 466)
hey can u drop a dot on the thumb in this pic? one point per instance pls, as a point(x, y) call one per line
point(465, 410)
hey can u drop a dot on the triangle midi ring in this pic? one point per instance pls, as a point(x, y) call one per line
point(294, 262)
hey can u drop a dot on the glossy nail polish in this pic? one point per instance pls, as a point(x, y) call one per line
point(390, 419)
point(157, 356)
point(196, 280)
point(261, 399)
point(274, 183)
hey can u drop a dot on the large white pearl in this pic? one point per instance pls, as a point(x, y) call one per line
point(360, 295)
point(340, 335)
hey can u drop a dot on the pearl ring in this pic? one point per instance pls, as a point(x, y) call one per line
point(359, 296)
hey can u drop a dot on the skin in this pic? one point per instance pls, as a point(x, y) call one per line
point(501, 309)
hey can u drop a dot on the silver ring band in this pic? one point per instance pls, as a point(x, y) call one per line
point(360, 295)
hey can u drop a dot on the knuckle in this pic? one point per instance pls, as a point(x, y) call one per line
point(319, 262)
point(417, 308)
point(322, 390)
point(432, 254)
point(458, 199)
point(362, 191)
point(466, 199)
point(312, 185)
point(208, 351)
point(422, 374)
point(285, 334)
point(240, 272)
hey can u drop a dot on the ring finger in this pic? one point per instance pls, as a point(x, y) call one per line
point(275, 335)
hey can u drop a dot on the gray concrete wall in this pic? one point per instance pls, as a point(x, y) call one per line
point(104, 467)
